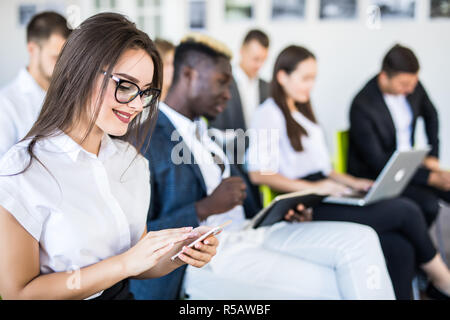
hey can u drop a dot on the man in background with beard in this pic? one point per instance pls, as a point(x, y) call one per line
point(21, 100)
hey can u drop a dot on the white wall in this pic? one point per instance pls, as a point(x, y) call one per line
point(348, 52)
point(12, 39)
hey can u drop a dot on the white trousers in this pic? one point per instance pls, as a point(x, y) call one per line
point(310, 260)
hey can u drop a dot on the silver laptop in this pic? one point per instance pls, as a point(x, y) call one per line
point(390, 182)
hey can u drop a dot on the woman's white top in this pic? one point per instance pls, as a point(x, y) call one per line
point(84, 208)
point(270, 150)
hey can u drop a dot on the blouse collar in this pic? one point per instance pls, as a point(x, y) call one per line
point(66, 144)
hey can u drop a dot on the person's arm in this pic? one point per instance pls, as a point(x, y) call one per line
point(363, 137)
point(432, 163)
point(198, 256)
point(430, 173)
point(351, 181)
point(279, 182)
point(264, 152)
point(231, 192)
point(20, 276)
point(431, 121)
point(439, 179)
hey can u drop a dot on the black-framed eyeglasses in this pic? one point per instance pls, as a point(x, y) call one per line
point(127, 91)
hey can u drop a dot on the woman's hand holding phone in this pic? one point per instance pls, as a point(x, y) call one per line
point(200, 252)
point(152, 247)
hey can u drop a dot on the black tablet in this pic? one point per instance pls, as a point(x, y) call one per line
point(278, 208)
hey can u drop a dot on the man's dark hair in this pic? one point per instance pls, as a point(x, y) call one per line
point(400, 59)
point(191, 52)
point(258, 36)
point(44, 24)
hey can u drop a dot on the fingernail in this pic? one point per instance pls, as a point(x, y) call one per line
point(206, 242)
point(198, 245)
point(188, 228)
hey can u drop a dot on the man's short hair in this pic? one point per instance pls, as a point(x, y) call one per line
point(44, 24)
point(400, 59)
point(196, 47)
point(258, 36)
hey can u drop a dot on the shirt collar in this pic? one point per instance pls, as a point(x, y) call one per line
point(394, 96)
point(65, 143)
point(183, 124)
point(186, 128)
point(107, 148)
point(240, 75)
point(27, 82)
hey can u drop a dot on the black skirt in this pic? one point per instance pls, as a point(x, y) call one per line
point(119, 291)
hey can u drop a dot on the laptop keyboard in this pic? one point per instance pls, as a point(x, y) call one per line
point(355, 194)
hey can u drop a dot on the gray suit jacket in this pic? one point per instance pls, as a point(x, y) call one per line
point(233, 116)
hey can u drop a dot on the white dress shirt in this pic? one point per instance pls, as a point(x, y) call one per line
point(401, 114)
point(20, 104)
point(248, 91)
point(270, 149)
point(201, 151)
point(81, 208)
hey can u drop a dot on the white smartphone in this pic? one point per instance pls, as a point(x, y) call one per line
point(213, 231)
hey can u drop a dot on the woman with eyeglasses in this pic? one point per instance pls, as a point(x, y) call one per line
point(75, 192)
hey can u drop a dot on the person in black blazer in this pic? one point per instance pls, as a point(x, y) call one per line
point(253, 54)
point(378, 125)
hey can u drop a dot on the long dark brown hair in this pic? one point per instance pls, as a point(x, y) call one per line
point(92, 48)
point(288, 60)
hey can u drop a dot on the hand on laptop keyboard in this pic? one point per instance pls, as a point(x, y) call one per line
point(328, 186)
point(360, 184)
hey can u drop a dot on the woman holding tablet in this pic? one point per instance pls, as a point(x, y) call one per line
point(303, 162)
point(74, 193)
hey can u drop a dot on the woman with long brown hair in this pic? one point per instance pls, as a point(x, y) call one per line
point(74, 193)
point(302, 161)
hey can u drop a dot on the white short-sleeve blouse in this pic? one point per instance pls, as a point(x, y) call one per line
point(81, 208)
point(270, 150)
